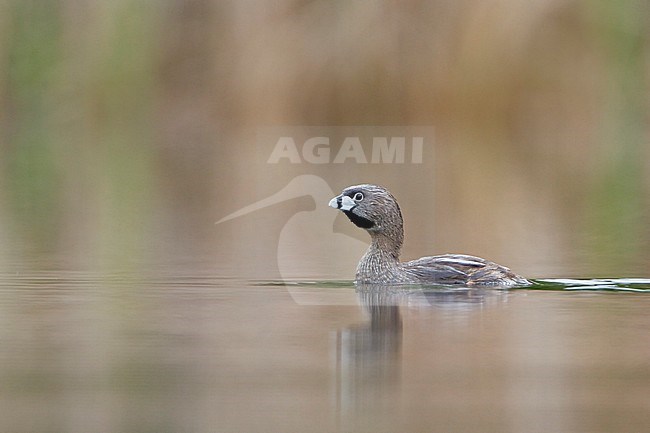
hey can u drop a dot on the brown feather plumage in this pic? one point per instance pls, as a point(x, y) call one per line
point(375, 209)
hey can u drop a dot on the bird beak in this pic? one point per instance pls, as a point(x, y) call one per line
point(342, 202)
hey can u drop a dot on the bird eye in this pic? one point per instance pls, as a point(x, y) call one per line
point(358, 197)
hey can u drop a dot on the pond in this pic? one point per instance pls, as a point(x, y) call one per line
point(185, 351)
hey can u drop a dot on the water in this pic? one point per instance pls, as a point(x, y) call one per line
point(191, 352)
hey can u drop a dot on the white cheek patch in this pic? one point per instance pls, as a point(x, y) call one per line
point(347, 203)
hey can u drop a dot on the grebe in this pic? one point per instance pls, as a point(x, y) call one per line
point(374, 209)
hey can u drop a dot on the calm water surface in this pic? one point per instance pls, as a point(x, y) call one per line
point(190, 352)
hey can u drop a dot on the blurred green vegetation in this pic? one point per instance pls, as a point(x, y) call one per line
point(33, 175)
point(126, 124)
point(618, 209)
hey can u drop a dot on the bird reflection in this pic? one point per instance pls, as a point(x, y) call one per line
point(369, 356)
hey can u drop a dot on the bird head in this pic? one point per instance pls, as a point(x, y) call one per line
point(370, 207)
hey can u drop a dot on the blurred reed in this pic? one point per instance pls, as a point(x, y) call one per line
point(126, 125)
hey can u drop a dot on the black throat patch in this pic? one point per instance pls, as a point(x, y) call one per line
point(359, 221)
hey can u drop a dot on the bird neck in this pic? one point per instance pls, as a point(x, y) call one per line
point(387, 243)
point(381, 263)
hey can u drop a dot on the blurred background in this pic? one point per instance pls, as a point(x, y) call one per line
point(127, 128)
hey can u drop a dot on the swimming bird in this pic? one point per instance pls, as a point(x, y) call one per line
point(374, 209)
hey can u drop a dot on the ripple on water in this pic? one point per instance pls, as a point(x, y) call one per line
point(637, 285)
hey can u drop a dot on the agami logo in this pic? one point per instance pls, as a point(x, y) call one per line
point(314, 227)
point(318, 150)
